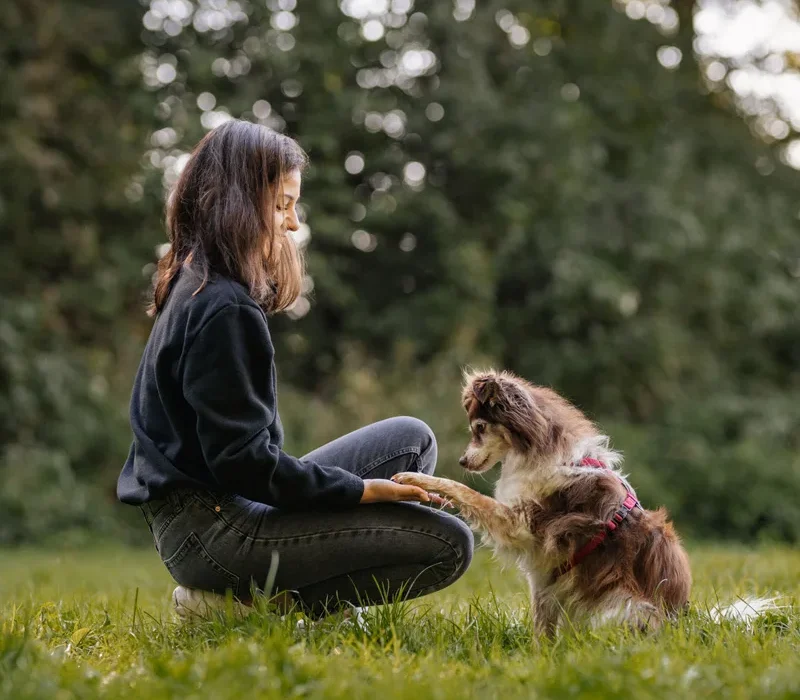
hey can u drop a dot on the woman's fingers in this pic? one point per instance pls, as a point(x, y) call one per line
point(413, 493)
point(376, 490)
point(440, 500)
point(427, 497)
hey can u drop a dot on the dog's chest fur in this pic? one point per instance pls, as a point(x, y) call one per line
point(521, 484)
point(520, 481)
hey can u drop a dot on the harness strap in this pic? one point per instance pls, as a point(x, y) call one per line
point(609, 527)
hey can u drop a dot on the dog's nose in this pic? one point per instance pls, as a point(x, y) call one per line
point(463, 461)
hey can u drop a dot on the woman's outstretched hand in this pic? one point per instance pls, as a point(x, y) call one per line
point(383, 490)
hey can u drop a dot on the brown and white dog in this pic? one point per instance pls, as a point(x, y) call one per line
point(563, 511)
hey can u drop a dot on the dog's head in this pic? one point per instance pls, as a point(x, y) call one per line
point(507, 415)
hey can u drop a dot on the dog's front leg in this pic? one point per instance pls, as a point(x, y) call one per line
point(546, 612)
point(499, 521)
point(545, 609)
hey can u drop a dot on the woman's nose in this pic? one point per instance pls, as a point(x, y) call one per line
point(292, 224)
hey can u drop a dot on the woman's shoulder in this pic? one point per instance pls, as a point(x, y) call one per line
point(213, 293)
point(194, 302)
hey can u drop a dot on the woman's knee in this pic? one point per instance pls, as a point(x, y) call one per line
point(413, 431)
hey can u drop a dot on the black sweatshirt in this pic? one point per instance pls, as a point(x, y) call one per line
point(204, 408)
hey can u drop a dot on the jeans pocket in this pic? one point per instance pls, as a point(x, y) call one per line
point(192, 566)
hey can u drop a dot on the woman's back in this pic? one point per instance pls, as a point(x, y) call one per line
point(166, 452)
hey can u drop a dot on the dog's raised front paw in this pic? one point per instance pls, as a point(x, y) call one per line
point(432, 484)
point(414, 479)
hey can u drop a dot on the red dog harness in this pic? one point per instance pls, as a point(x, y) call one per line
point(610, 526)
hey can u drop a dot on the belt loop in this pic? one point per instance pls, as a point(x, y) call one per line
point(147, 513)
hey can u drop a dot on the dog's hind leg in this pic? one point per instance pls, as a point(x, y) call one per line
point(628, 610)
point(499, 521)
point(645, 617)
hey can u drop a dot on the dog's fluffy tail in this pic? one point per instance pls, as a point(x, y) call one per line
point(745, 610)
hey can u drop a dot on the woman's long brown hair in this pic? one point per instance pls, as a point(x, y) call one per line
point(220, 215)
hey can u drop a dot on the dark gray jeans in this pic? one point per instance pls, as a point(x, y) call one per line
point(218, 542)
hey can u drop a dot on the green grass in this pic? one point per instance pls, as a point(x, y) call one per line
point(96, 623)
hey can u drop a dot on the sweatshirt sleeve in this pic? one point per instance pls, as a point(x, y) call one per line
point(228, 381)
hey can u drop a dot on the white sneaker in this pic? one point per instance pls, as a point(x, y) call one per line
point(192, 602)
point(355, 616)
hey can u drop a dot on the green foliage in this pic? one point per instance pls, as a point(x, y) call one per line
point(589, 218)
point(78, 219)
point(97, 624)
point(586, 217)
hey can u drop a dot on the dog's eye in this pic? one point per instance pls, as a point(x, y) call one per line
point(480, 428)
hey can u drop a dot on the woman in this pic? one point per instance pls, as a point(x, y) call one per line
point(227, 507)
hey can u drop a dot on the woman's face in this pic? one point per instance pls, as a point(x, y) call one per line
point(285, 207)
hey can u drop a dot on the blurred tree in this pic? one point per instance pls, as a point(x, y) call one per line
point(554, 185)
point(551, 185)
point(78, 220)
point(552, 181)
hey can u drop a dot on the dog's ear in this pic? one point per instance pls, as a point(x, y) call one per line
point(486, 390)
